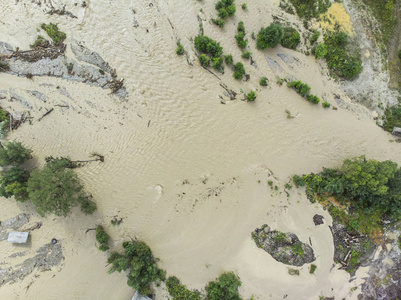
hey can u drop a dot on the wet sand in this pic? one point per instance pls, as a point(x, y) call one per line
point(181, 168)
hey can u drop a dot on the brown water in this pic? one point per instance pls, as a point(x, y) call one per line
point(187, 184)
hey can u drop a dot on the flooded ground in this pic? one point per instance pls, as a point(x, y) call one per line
point(187, 173)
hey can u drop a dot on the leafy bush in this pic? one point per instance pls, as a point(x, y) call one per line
point(204, 60)
point(241, 41)
point(207, 45)
point(14, 153)
point(302, 88)
point(180, 49)
point(244, 6)
point(14, 183)
point(251, 96)
point(241, 27)
point(55, 189)
point(246, 54)
point(315, 36)
point(312, 268)
point(224, 9)
point(326, 104)
point(231, 9)
point(321, 50)
point(239, 70)
point(179, 291)
point(341, 61)
point(222, 13)
point(219, 22)
point(291, 38)
point(52, 31)
point(228, 59)
point(263, 81)
point(102, 237)
point(218, 63)
point(298, 181)
point(269, 36)
point(224, 288)
point(313, 99)
point(143, 270)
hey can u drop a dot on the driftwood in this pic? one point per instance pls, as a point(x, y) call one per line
point(231, 93)
point(61, 12)
point(59, 105)
point(45, 114)
point(211, 72)
point(89, 229)
point(39, 53)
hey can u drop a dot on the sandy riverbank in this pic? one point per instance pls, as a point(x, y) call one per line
point(181, 168)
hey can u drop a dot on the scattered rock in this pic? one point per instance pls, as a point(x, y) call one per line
point(318, 219)
point(283, 247)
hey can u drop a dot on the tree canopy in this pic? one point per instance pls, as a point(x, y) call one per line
point(55, 189)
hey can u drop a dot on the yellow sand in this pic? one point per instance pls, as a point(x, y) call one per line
point(337, 14)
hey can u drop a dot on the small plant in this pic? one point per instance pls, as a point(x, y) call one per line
point(204, 60)
point(246, 54)
point(263, 81)
point(222, 13)
point(313, 99)
point(70, 66)
point(228, 59)
point(219, 22)
point(326, 104)
point(251, 96)
point(178, 291)
point(239, 70)
point(253, 35)
point(270, 183)
point(52, 31)
point(298, 181)
point(40, 42)
point(301, 88)
point(244, 6)
point(225, 8)
point(116, 221)
point(218, 63)
point(288, 186)
point(180, 49)
point(14, 153)
point(289, 114)
point(241, 27)
point(312, 268)
point(279, 80)
point(103, 238)
point(321, 50)
point(101, 71)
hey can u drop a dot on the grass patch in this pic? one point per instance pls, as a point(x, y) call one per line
point(54, 33)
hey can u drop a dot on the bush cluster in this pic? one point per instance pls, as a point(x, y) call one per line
point(240, 37)
point(291, 38)
point(213, 52)
point(225, 8)
point(269, 36)
point(303, 89)
point(263, 81)
point(341, 61)
point(102, 238)
point(141, 265)
point(239, 70)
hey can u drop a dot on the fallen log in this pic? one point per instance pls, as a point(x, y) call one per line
point(45, 114)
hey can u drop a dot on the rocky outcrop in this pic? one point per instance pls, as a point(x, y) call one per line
point(283, 247)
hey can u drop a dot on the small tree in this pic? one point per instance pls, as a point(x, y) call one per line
point(14, 153)
point(55, 189)
point(269, 36)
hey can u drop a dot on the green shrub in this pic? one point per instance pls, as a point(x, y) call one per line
point(298, 181)
point(340, 60)
point(231, 9)
point(224, 288)
point(302, 88)
point(269, 36)
point(40, 42)
point(14, 153)
point(392, 118)
point(313, 99)
point(244, 6)
point(246, 54)
point(101, 236)
point(204, 60)
point(291, 38)
point(241, 41)
point(326, 104)
point(310, 8)
point(180, 49)
point(251, 96)
point(263, 81)
point(321, 50)
point(52, 31)
point(222, 13)
point(207, 45)
point(312, 268)
point(178, 291)
point(239, 70)
point(228, 59)
point(315, 36)
point(241, 27)
point(218, 63)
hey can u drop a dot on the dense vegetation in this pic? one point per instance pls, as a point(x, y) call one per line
point(225, 8)
point(240, 37)
point(54, 33)
point(141, 265)
point(178, 291)
point(372, 189)
point(320, 50)
point(269, 36)
point(224, 288)
point(392, 118)
point(212, 52)
point(291, 38)
point(310, 8)
point(341, 60)
point(14, 153)
point(102, 238)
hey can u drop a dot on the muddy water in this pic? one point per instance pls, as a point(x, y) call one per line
point(181, 168)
